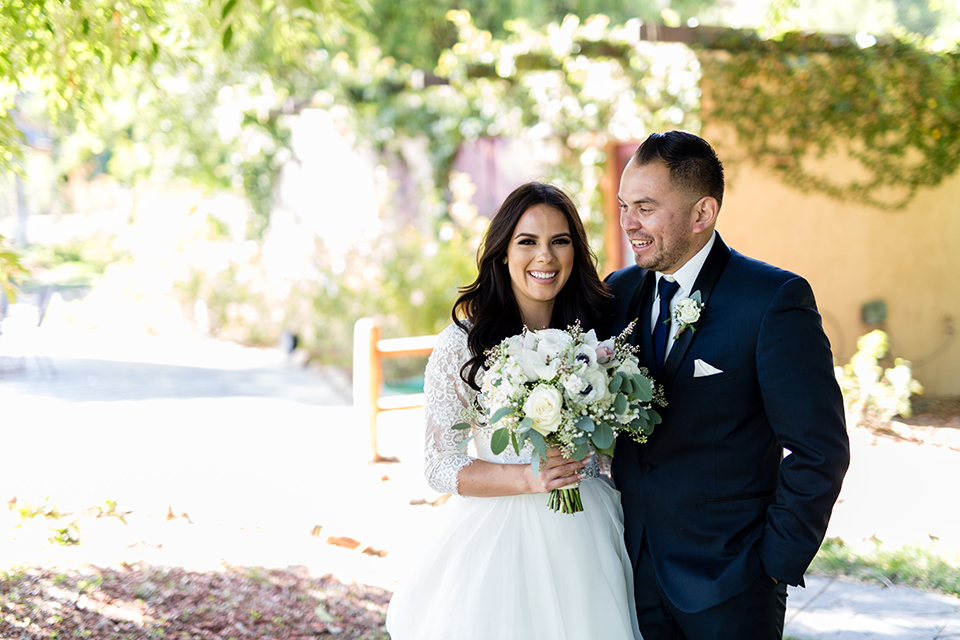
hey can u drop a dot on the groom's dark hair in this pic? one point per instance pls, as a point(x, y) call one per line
point(693, 164)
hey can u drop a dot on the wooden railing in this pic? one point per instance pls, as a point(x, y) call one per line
point(369, 351)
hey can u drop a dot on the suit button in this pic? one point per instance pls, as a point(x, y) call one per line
point(647, 467)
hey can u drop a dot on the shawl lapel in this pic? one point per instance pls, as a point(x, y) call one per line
point(706, 280)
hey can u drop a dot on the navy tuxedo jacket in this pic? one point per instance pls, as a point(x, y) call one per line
point(712, 491)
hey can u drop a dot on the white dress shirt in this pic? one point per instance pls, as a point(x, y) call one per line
point(686, 277)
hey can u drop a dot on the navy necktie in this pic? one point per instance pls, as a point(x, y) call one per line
point(661, 332)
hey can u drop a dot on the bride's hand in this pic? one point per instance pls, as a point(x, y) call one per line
point(557, 472)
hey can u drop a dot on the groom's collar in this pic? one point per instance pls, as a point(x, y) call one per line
point(687, 275)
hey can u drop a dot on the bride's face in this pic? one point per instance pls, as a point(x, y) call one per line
point(540, 259)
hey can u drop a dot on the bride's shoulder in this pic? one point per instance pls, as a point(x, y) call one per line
point(453, 337)
point(453, 331)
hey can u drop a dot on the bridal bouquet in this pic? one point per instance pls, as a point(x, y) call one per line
point(565, 388)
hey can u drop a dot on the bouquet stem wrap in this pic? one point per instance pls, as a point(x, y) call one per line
point(566, 500)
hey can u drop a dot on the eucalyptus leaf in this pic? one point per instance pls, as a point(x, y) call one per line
point(584, 423)
point(608, 451)
point(539, 444)
point(535, 463)
point(620, 403)
point(603, 436)
point(463, 445)
point(502, 412)
point(516, 444)
point(580, 451)
point(642, 388)
point(525, 425)
point(461, 426)
point(500, 440)
point(615, 383)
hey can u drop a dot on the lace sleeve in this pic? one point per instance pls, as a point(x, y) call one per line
point(447, 397)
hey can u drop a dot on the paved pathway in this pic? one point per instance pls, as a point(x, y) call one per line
point(258, 453)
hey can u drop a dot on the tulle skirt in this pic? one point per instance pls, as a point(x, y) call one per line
point(510, 568)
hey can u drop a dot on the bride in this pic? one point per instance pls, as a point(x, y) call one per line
point(506, 566)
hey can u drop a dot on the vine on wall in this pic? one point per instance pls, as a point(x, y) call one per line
point(583, 84)
point(893, 107)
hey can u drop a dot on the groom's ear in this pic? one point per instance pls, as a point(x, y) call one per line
point(705, 214)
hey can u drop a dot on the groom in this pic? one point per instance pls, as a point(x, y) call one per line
point(728, 502)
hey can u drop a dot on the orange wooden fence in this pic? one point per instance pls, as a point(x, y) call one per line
point(369, 351)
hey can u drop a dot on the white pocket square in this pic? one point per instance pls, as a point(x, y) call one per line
point(702, 369)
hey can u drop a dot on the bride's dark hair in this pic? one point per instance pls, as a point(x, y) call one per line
point(489, 304)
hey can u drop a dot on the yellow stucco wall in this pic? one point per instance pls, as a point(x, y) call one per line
point(852, 254)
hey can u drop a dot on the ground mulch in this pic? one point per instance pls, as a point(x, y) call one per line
point(142, 601)
point(139, 600)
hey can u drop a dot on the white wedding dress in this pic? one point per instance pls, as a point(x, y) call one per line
point(508, 567)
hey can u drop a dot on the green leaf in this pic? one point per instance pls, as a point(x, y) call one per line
point(502, 412)
point(535, 463)
point(461, 425)
point(514, 442)
point(499, 441)
point(525, 425)
point(615, 382)
point(642, 388)
point(620, 403)
point(580, 451)
point(609, 450)
point(584, 423)
point(227, 37)
point(539, 444)
point(603, 436)
point(655, 416)
point(227, 8)
point(627, 387)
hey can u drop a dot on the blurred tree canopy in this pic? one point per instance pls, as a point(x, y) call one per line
point(86, 55)
point(418, 32)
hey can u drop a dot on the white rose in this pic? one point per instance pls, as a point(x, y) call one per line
point(544, 406)
point(687, 311)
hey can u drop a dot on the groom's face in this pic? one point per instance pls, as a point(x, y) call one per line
point(658, 219)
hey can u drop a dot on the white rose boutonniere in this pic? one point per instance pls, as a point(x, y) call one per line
point(686, 313)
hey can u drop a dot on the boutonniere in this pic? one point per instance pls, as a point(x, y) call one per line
point(686, 313)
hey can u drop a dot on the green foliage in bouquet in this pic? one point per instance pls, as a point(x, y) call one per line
point(566, 389)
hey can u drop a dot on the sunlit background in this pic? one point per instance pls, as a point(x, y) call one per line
point(198, 201)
